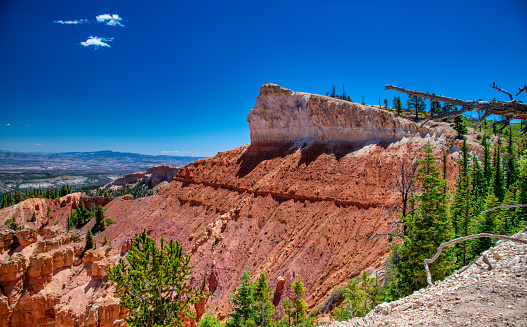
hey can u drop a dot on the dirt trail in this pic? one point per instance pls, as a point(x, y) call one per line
point(474, 296)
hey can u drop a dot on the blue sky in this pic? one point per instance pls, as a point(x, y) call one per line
point(180, 77)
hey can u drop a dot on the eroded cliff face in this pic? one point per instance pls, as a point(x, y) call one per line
point(153, 176)
point(46, 279)
point(283, 115)
point(296, 210)
point(303, 200)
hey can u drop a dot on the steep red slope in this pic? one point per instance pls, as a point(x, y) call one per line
point(295, 212)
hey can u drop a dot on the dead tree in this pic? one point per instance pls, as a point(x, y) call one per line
point(405, 183)
point(462, 239)
point(405, 187)
point(471, 237)
point(509, 109)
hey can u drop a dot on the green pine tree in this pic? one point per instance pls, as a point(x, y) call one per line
point(498, 182)
point(264, 308)
point(208, 320)
point(460, 126)
point(427, 228)
point(487, 223)
point(435, 107)
point(90, 242)
point(243, 301)
point(487, 166)
point(100, 218)
point(416, 103)
point(520, 216)
point(479, 185)
point(397, 105)
point(154, 283)
point(512, 172)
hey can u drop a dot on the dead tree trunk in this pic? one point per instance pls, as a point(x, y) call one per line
point(462, 239)
point(509, 109)
point(470, 237)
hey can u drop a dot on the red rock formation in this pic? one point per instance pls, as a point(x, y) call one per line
point(151, 177)
point(47, 279)
point(295, 213)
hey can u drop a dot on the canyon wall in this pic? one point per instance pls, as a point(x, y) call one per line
point(151, 177)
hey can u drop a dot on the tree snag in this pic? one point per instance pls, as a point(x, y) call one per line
point(461, 239)
point(509, 109)
point(470, 237)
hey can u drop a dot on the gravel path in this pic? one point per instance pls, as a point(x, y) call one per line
point(472, 296)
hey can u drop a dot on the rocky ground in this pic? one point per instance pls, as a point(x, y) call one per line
point(473, 295)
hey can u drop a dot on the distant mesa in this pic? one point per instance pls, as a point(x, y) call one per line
point(283, 115)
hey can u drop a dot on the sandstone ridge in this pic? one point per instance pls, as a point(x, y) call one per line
point(151, 177)
point(283, 115)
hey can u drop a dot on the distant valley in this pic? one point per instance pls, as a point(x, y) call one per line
point(21, 171)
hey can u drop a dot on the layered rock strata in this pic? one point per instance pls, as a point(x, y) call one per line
point(283, 115)
point(151, 177)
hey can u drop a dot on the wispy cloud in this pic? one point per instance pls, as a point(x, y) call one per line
point(38, 144)
point(106, 19)
point(97, 42)
point(72, 22)
point(110, 20)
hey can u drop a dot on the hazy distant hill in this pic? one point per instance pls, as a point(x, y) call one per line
point(21, 170)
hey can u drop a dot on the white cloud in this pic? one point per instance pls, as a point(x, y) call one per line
point(111, 20)
point(38, 144)
point(97, 42)
point(72, 22)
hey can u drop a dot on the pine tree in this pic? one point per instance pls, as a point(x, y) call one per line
point(416, 103)
point(459, 126)
point(208, 320)
point(299, 305)
point(435, 107)
point(397, 105)
point(498, 183)
point(521, 194)
point(243, 301)
point(464, 158)
point(428, 227)
point(154, 283)
point(512, 173)
point(508, 219)
point(478, 185)
point(90, 242)
point(487, 224)
point(100, 219)
point(264, 308)
point(487, 166)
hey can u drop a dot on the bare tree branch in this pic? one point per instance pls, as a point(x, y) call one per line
point(462, 239)
point(426, 95)
point(504, 207)
point(513, 108)
point(521, 90)
point(482, 119)
point(501, 90)
point(486, 260)
point(385, 234)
